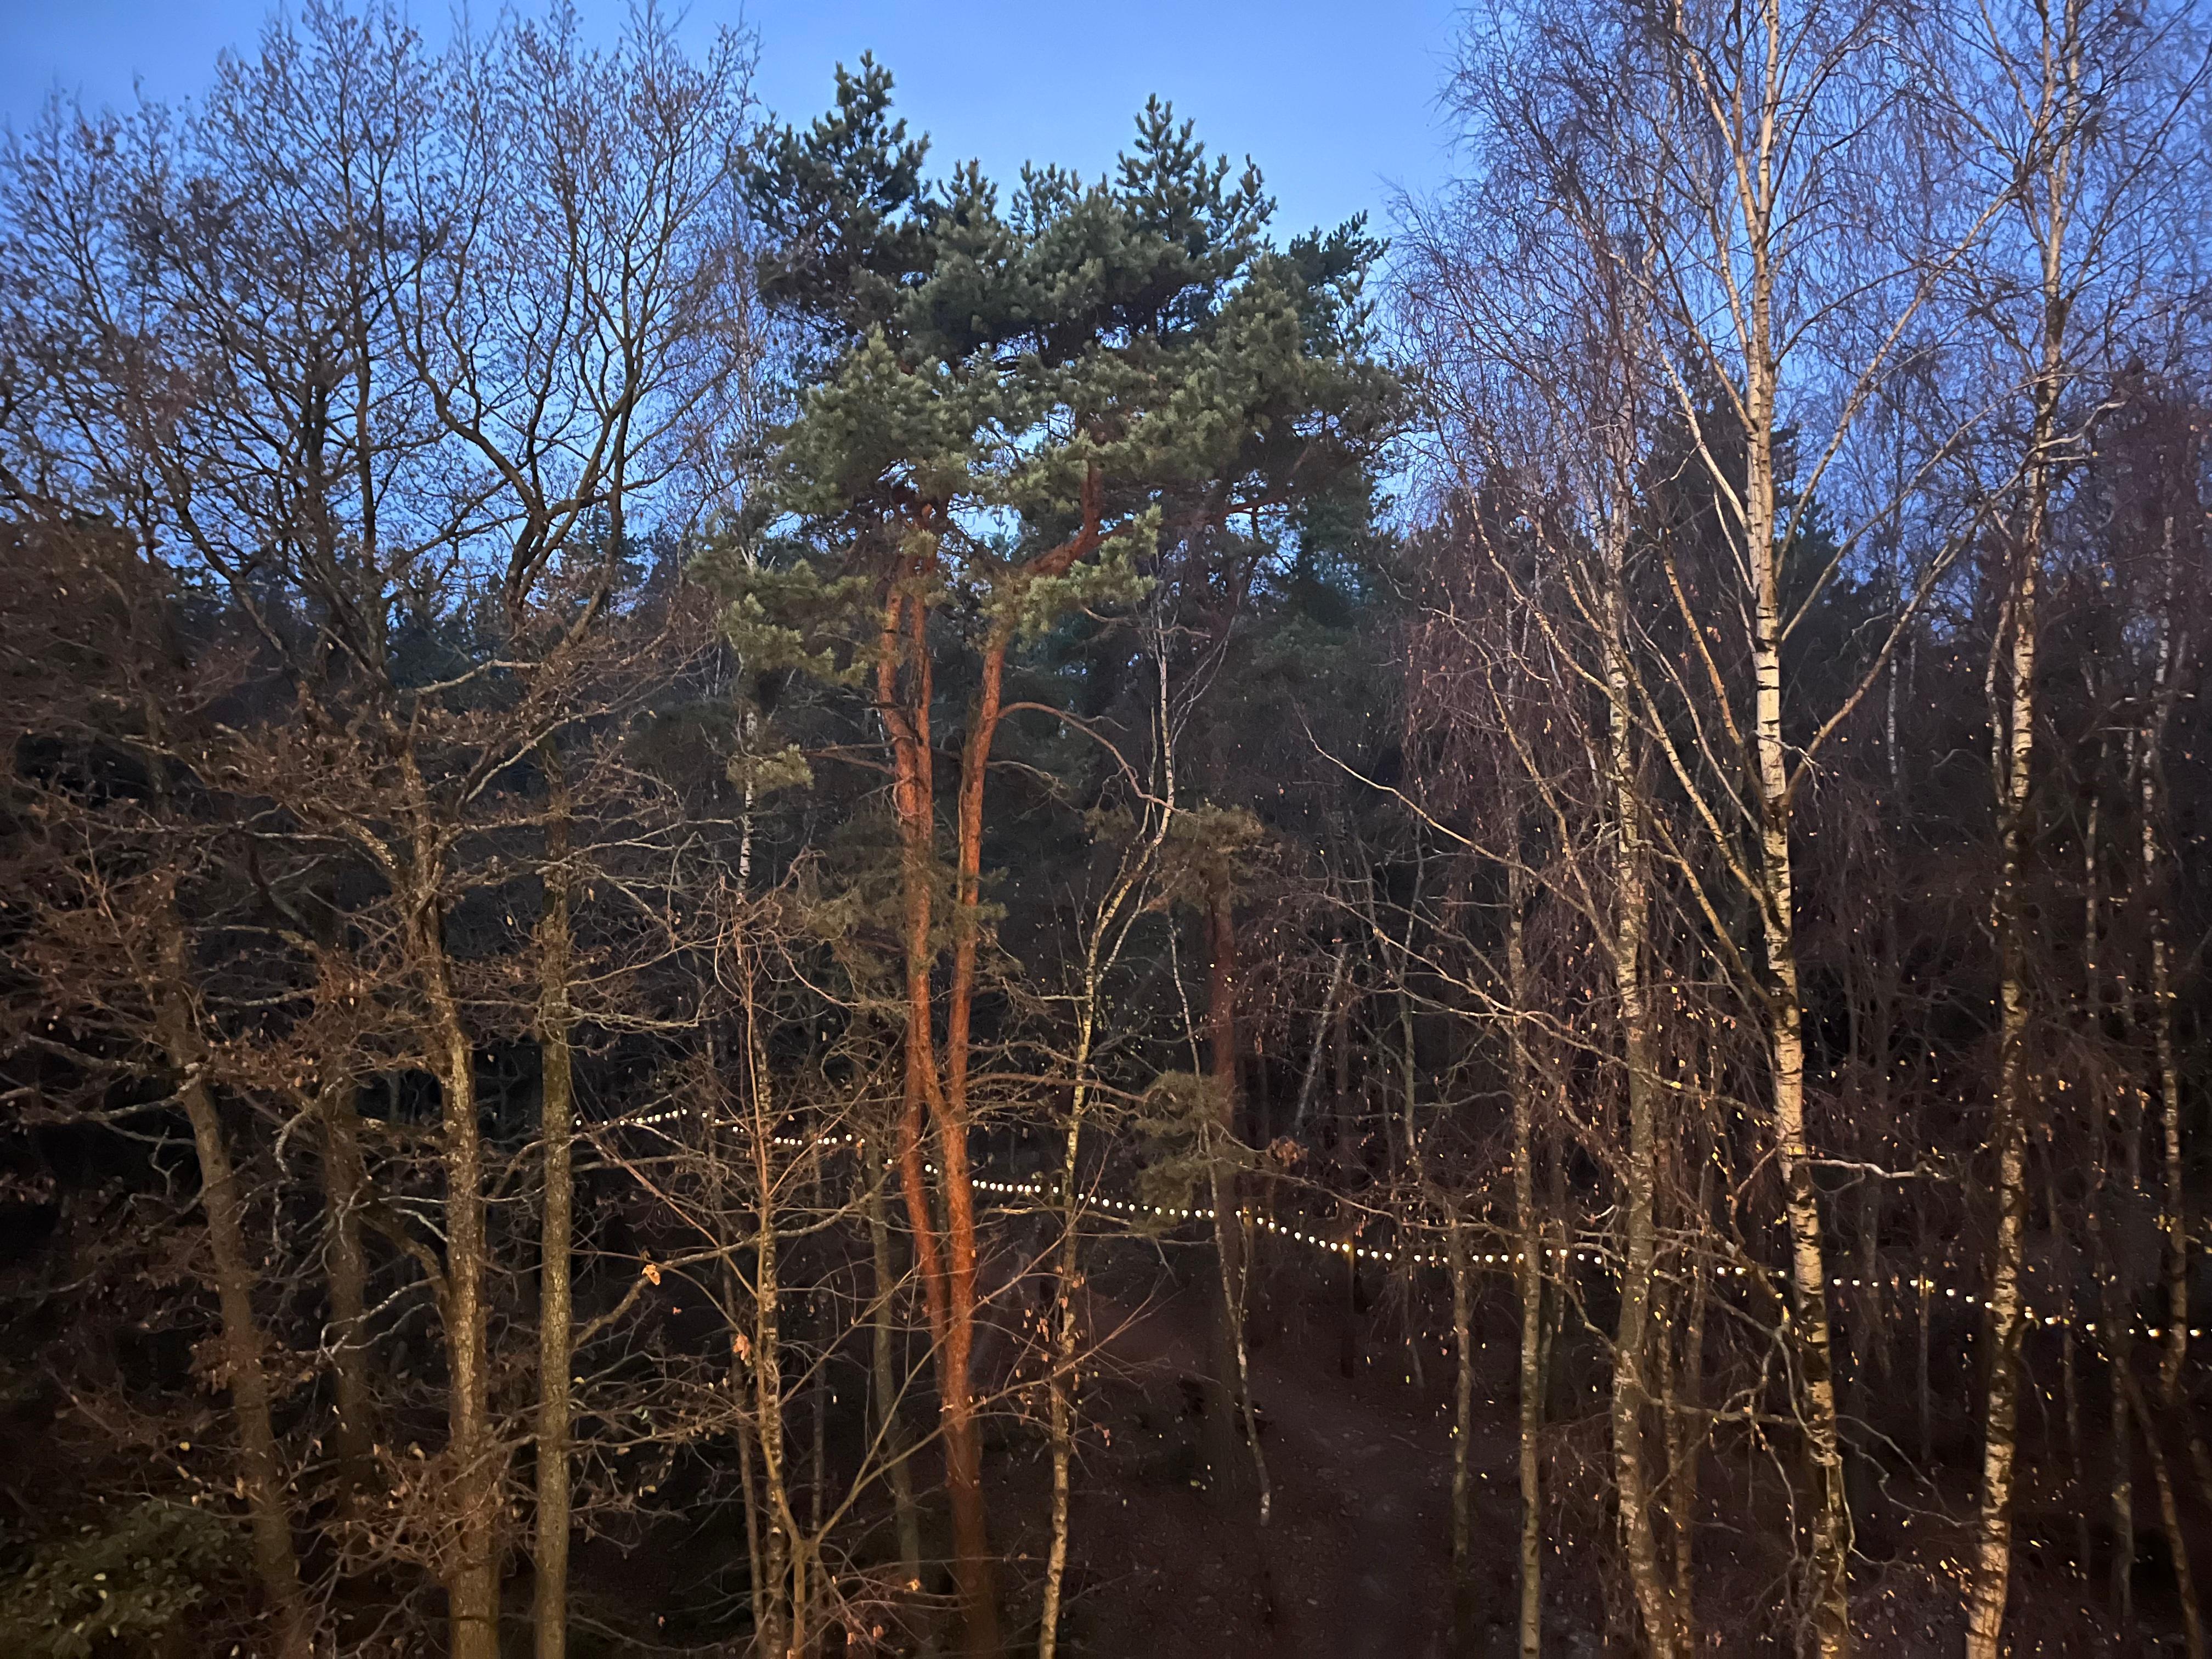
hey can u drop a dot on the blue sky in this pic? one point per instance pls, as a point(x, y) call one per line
point(1337, 104)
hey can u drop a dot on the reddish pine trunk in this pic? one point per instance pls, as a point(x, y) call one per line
point(947, 1260)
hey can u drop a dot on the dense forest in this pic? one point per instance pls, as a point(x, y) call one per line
point(764, 899)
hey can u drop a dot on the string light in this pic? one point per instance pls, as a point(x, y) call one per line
point(1340, 1248)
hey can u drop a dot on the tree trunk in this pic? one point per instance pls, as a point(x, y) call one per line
point(1630, 1392)
point(948, 1287)
point(1063, 1376)
point(781, 1618)
point(2112, 1333)
point(973, 1565)
point(1301, 1113)
point(1529, 1274)
point(779, 1632)
point(554, 1306)
point(2069, 1392)
point(2174, 1218)
point(2169, 1507)
point(1829, 1568)
point(472, 1470)
point(1340, 1083)
point(890, 1436)
point(748, 1484)
point(2123, 1506)
point(471, 1462)
point(345, 1192)
point(1233, 1420)
point(261, 1472)
point(1465, 1608)
point(1687, 1426)
point(1993, 1563)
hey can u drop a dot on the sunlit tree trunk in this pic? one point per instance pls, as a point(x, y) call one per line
point(951, 1314)
point(1985, 1612)
point(1830, 1566)
point(1750, 97)
point(964, 1447)
point(974, 1564)
point(2013, 754)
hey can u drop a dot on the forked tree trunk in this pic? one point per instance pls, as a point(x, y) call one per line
point(951, 1316)
point(945, 1254)
point(974, 1565)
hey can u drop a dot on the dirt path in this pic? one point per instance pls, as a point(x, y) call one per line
point(1353, 1565)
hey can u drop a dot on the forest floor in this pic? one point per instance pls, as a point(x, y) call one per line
point(1354, 1563)
point(1167, 1560)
